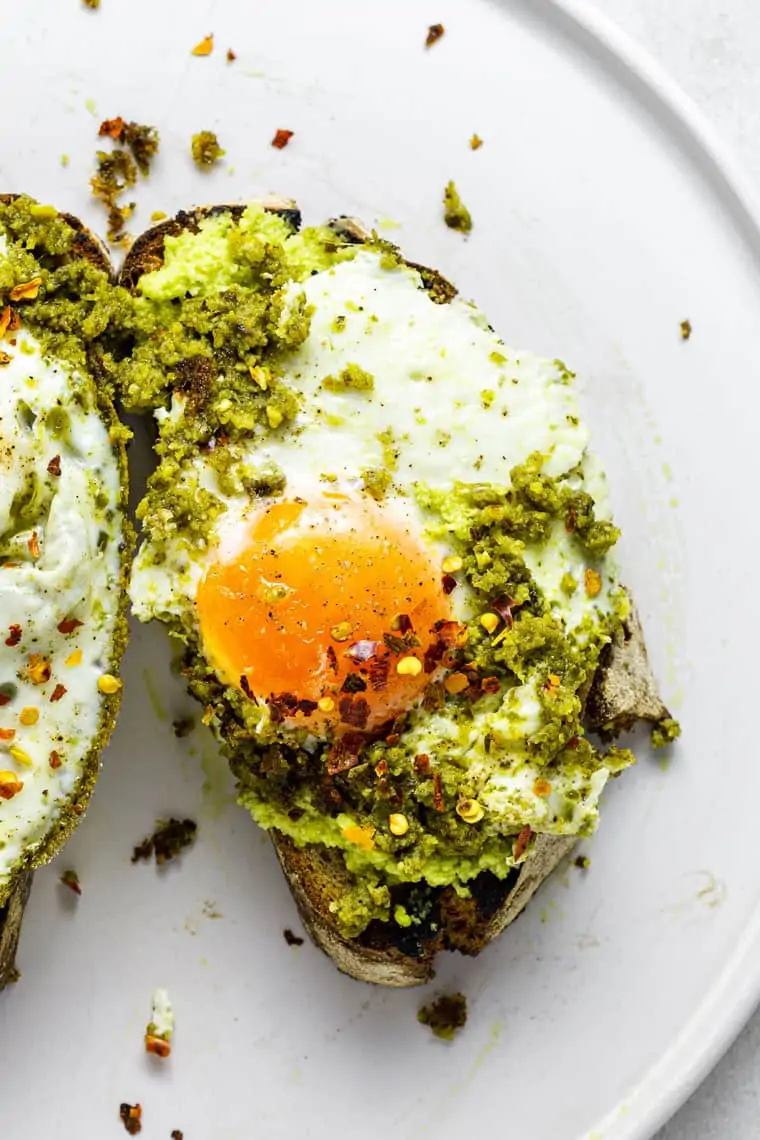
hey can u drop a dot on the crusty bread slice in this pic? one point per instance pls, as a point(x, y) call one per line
point(89, 247)
point(622, 692)
point(11, 916)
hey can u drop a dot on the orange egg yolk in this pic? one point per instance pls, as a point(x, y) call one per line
point(325, 610)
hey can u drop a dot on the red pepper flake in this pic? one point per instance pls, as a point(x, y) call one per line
point(54, 466)
point(70, 879)
point(55, 759)
point(490, 684)
point(231, 56)
point(26, 290)
point(332, 658)
point(68, 625)
point(10, 785)
point(449, 583)
point(571, 521)
point(34, 545)
point(7, 734)
point(438, 802)
point(402, 624)
point(503, 606)
point(435, 31)
point(281, 139)
point(15, 322)
point(157, 1045)
point(521, 845)
point(432, 656)
point(112, 128)
point(378, 669)
point(362, 650)
point(4, 699)
point(354, 711)
point(381, 768)
point(422, 764)
point(14, 635)
point(38, 670)
point(282, 705)
point(344, 753)
point(131, 1117)
point(58, 692)
point(453, 634)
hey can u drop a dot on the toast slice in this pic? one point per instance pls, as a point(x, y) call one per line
point(85, 246)
point(623, 691)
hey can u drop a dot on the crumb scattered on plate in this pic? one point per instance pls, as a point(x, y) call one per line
point(131, 1117)
point(91, 3)
point(169, 840)
point(158, 1034)
point(281, 138)
point(141, 139)
point(291, 938)
point(231, 56)
point(183, 725)
point(445, 1016)
point(70, 879)
point(582, 862)
point(117, 170)
point(177, 1135)
point(476, 142)
point(205, 47)
point(435, 31)
point(158, 216)
point(206, 150)
point(685, 330)
point(455, 213)
point(116, 173)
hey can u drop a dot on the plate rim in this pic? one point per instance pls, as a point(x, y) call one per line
point(735, 993)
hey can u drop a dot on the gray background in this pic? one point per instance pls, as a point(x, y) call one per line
point(712, 48)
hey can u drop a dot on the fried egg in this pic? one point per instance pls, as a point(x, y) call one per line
point(295, 594)
point(61, 629)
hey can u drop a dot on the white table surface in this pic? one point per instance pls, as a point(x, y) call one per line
point(712, 49)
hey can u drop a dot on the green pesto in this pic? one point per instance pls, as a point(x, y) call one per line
point(444, 1016)
point(206, 150)
point(351, 379)
point(455, 213)
point(377, 482)
point(74, 306)
point(77, 304)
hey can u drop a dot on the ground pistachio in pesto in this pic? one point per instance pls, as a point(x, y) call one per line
point(455, 213)
point(206, 150)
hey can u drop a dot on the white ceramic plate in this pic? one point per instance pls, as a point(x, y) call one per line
point(603, 217)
